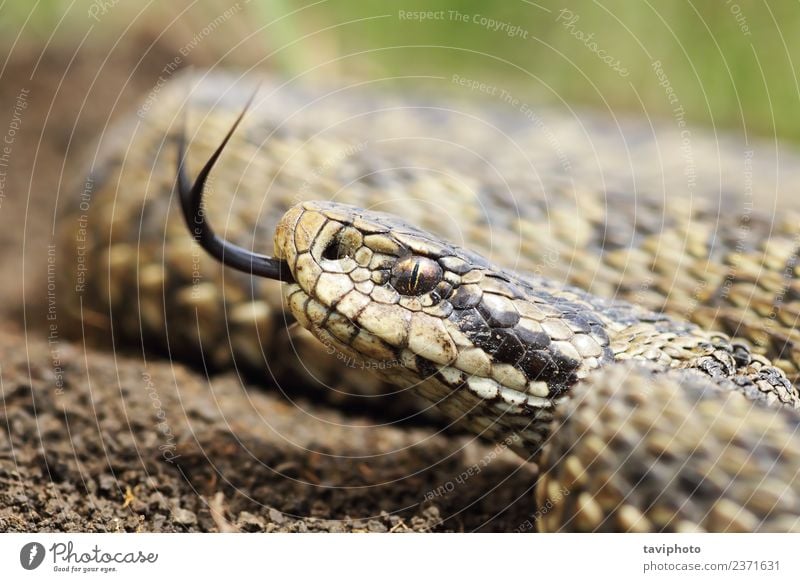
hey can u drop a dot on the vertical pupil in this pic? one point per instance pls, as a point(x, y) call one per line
point(415, 275)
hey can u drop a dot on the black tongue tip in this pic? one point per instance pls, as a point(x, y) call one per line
point(191, 199)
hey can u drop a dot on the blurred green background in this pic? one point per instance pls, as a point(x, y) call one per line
point(730, 64)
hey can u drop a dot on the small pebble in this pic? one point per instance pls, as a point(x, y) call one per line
point(183, 516)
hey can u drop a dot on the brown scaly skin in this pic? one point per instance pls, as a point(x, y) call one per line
point(555, 199)
point(716, 462)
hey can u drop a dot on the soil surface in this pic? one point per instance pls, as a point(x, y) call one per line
point(146, 445)
point(93, 439)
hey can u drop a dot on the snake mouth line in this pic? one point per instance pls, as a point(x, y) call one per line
point(513, 416)
point(338, 331)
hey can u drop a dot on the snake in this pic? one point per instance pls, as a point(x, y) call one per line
point(557, 285)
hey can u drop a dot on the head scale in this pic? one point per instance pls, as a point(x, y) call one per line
point(485, 346)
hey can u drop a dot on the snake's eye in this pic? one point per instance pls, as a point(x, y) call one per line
point(415, 275)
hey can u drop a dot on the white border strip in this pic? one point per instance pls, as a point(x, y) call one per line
point(402, 557)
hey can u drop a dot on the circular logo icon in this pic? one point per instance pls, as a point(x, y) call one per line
point(31, 555)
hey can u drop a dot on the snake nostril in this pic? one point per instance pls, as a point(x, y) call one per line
point(334, 251)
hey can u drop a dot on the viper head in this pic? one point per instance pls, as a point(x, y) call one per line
point(489, 348)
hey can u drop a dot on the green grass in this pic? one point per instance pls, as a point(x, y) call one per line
point(721, 75)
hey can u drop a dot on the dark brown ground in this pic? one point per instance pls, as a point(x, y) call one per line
point(135, 445)
point(155, 447)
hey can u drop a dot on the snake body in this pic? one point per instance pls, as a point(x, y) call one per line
point(582, 320)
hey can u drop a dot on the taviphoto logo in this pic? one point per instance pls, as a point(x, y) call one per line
point(31, 555)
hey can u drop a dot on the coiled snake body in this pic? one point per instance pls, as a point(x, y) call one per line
point(642, 414)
